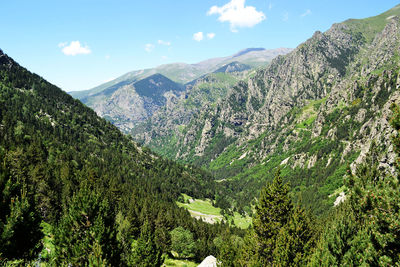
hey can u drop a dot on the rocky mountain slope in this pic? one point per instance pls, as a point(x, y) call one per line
point(161, 127)
point(311, 113)
point(128, 103)
point(134, 97)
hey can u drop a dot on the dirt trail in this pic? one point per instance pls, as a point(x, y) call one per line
point(206, 217)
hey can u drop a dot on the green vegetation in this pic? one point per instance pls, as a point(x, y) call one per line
point(308, 113)
point(205, 209)
point(369, 27)
point(179, 263)
point(203, 206)
point(182, 242)
point(75, 190)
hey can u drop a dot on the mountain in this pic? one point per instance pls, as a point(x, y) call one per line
point(163, 126)
point(75, 190)
point(233, 67)
point(128, 103)
point(183, 73)
point(136, 96)
point(310, 113)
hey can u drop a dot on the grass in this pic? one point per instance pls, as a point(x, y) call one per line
point(205, 207)
point(308, 113)
point(240, 221)
point(370, 26)
point(180, 263)
point(198, 205)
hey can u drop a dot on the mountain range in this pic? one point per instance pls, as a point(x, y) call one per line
point(124, 101)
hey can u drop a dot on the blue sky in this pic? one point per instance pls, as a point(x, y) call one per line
point(78, 44)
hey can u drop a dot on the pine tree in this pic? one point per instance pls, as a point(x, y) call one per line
point(19, 217)
point(294, 240)
point(365, 229)
point(86, 231)
point(145, 251)
point(272, 213)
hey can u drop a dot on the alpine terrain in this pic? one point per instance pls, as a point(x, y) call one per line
point(311, 113)
point(136, 96)
point(286, 157)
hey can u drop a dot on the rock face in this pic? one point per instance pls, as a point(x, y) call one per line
point(317, 109)
point(210, 261)
point(128, 103)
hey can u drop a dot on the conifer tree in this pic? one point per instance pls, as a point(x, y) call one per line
point(294, 240)
point(86, 231)
point(145, 251)
point(272, 212)
point(19, 218)
point(365, 229)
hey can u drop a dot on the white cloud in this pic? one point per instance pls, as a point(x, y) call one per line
point(149, 47)
point(237, 14)
point(210, 35)
point(74, 48)
point(307, 13)
point(107, 57)
point(161, 42)
point(198, 36)
point(164, 57)
point(270, 6)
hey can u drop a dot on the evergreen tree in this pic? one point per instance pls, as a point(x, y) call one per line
point(86, 231)
point(182, 242)
point(145, 251)
point(365, 230)
point(272, 212)
point(294, 240)
point(19, 218)
point(282, 234)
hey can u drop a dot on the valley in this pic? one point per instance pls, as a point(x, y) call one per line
point(267, 157)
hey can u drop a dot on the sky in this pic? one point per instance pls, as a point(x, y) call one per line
point(79, 44)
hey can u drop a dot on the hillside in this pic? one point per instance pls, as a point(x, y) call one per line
point(165, 124)
point(311, 113)
point(127, 103)
point(71, 181)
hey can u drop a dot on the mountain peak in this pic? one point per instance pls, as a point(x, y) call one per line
point(247, 50)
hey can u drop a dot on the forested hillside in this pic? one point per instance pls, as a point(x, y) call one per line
point(68, 176)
